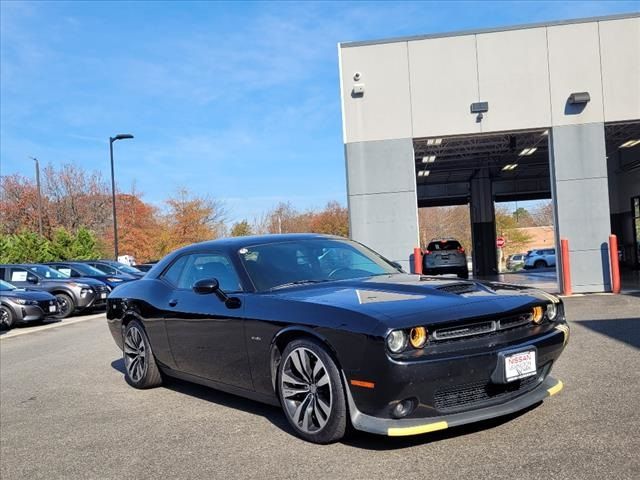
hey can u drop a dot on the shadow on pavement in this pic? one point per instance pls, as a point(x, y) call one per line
point(625, 330)
point(354, 438)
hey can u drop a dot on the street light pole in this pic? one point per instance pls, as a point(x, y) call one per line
point(121, 136)
point(39, 194)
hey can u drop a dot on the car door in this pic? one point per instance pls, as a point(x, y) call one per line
point(206, 336)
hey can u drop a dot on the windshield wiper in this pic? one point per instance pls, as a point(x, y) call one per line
point(296, 282)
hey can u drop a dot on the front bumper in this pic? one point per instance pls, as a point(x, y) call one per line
point(456, 386)
point(415, 426)
point(32, 313)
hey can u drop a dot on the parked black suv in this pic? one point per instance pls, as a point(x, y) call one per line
point(18, 305)
point(73, 294)
point(79, 269)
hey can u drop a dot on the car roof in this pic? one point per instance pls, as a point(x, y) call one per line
point(238, 242)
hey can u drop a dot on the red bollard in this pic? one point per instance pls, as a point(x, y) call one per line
point(566, 267)
point(615, 264)
point(417, 261)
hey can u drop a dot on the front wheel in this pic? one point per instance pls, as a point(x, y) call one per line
point(311, 392)
point(540, 264)
point(140, 368)
point(65, 305)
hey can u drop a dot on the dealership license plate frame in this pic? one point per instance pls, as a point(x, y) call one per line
point(103, 296)
point(500, 374)
point(53, 309)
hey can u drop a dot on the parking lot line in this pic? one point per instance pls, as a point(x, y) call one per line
point(27, 330)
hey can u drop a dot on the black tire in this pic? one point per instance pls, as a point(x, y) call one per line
point(7, 319)
point(140, 367)
point(312, 401)
point(540, 264)
point(66, 304)
point(463, 274)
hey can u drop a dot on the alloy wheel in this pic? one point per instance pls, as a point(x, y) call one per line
point(135, 354)
point(305, 388)
point(63, 303)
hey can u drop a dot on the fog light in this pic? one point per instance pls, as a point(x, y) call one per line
point(537, 314)
point(404, 408)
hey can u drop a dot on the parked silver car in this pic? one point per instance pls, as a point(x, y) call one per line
point(542, 258)
point(516, 261)
point(445, 256)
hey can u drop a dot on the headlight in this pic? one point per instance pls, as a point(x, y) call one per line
point(81, 285)
point(552, 311)
point(22, 301)
point(396, 341)
point(418, 337)
point(114, 280)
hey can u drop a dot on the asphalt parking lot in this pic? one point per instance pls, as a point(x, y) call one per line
point(66, 412)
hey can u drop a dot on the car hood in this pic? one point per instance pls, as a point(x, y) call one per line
point(27, 294)
point(403, 300)
point(86, 280)
point(120, 276)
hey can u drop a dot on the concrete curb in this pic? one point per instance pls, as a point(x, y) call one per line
point(62, 323)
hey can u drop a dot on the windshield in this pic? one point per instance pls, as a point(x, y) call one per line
point(279, 265)
point(4, 286)
point(47, 272)
point(444, 245)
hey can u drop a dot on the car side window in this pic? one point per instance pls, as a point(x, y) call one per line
point(201, 266)
point(18, 275)
point(172, 274)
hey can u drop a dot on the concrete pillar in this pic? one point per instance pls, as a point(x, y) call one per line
point(381, 188)
point(580, 192)
point(483, 225)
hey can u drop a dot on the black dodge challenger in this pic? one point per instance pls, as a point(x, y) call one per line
point(335, 333)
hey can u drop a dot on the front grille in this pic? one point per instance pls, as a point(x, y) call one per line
point(481, 328)
point(468, 330)
point(472, 394)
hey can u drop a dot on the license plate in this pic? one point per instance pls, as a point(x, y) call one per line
point(520, 365)
point(103, 295)
point(52, 308)
point(444, 257)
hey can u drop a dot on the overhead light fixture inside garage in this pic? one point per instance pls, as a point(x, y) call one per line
point(424, 173)
point(527, 151)
point(630, 143)
point(434, 141)
point(429, 159)
point(510, 166)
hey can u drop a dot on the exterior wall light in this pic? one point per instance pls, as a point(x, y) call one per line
point(579, 98)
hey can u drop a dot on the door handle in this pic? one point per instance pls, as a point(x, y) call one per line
point(173, 302)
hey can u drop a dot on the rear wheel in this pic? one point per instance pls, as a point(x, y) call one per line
point(540, 264)
point(140, 368)
point(66, 306)
point(311, 392)
point(463, 274)
point(7, 319)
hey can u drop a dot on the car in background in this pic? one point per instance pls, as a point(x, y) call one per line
point(79, 269)
point(515, 261)
point(111, 267)
point(73, 294)
point(145, 267)
point(541, 258)
point(445, 256)
point(18, 305)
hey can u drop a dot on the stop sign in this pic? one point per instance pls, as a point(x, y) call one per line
point(500, 242)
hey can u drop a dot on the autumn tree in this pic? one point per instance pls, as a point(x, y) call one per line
point(241, 229)
point(18, 205)
point(333, 220)
point(191, 218)
point(507, 227)
point(543, 214)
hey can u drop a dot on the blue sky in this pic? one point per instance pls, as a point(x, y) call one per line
point(239, 101)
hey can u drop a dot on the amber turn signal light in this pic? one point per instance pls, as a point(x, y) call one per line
point(418, 337)
point(537, 314)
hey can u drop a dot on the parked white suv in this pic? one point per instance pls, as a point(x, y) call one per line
point(542, 258)
point(445, 256)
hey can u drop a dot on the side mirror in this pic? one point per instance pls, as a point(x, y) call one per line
point(206, 286)
point(32, 279)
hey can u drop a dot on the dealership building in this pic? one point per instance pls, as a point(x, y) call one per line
point(544, 111)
